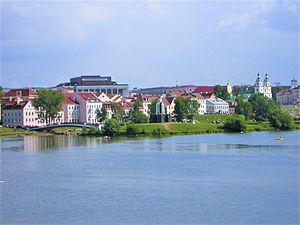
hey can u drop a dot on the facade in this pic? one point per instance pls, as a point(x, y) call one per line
point(296, 94)
point(217, 106)
point(24, 94)
point(94, 84)
point(285, 98)
point(71, 109)
point(200, 99)
point(88, 106)
point(263, 87)
point(294, 83)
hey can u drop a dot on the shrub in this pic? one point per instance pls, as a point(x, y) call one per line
point(281, 119)
point(157, 131)
point(111, 127)
point(235, 124)
point(131, 130)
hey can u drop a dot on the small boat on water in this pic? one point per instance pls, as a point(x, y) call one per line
point(279, 138)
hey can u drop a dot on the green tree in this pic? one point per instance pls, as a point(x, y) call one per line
point(111, 127)
point(186, 108)
point(48, 104)
point(239, 109)
point(152, 108)
point(192, 107)
point(281, 119)
point(235, 125)
point(221, 92)
point(238, 91)
point(135, 115)
point(260, 106)
point(118, 111)
point(1, 92)
point(180, 109)
point(247, 110)
point(101, 115)
point(275, 90)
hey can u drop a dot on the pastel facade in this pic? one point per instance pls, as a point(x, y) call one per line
point(71, 110)
point(88, 106)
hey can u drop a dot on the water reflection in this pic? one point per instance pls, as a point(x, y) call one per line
point(179, 143)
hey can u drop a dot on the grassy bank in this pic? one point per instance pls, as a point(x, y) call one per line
point(6, 132)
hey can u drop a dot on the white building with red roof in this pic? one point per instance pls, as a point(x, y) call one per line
point(71, 109)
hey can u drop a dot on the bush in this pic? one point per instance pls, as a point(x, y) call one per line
point(281, 119)
point(235, 125)
point(111, 127)
point(157, 131)
point(131, 130)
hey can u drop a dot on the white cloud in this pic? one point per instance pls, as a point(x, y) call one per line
point(241, 20)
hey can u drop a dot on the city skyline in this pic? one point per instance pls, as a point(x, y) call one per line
point(149, 43)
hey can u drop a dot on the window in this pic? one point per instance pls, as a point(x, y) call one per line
point(108, 91)
point(103, 90)
point(115, 91)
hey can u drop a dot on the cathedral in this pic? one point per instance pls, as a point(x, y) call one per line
point(263, 87)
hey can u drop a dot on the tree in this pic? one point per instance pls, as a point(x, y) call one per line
point(1, 92)
point(48, 104)
point(186, 108)
point(152, 108)
point(180, 109)
point(135, 115)
point(235, 125)
point(118, 111)
point(275, 90)
point(238, 91)
point(111, 127)
point(247, 110)
point(221, 92)
point(239, 109)
point(101, 115)
point(260, 106)
point(192, 107)
point(281, 119)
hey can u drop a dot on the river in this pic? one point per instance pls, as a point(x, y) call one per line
point(195, 179)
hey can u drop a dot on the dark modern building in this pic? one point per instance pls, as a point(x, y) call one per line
point(95, 83)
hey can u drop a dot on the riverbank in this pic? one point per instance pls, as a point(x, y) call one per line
point(6, 132)
point(205, 124)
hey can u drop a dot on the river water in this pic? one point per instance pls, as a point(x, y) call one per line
point(197, 179)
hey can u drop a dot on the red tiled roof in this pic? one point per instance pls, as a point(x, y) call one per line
point(127, 105)
point(68, 99)
point(24, 92)
point(87, 96)
point(15, 105)
point(176, 93)
point(204, 89)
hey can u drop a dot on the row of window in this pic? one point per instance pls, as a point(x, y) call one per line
point(73, 107)
point(106, 91)
point(12, 114)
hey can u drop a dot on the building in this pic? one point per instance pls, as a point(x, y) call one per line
point(217, 106)
point(263, 87)
point(296, 94)
point(94, 84)
point(19, 94)
point(285, 98)
point(88, 106)
point(23, 114)
point(294, 83)
point(71, 109)
point(200, 99)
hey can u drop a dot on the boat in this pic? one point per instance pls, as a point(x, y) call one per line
point(279, 138)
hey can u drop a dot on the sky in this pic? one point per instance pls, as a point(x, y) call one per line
point(149, 43)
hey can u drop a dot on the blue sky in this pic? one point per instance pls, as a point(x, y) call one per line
point(149, 43)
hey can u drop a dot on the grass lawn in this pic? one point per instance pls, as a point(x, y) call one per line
point(67, 130)
point(6, 131)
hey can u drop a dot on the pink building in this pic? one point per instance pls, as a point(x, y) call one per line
point(88, 106)
point(71, 109)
